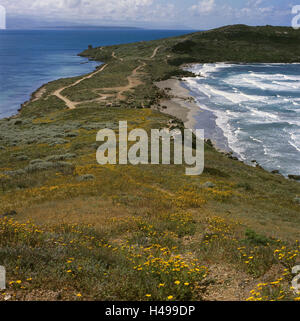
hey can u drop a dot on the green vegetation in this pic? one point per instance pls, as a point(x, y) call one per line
point(73, 230)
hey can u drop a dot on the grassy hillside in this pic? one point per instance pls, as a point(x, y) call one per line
point(73, 230)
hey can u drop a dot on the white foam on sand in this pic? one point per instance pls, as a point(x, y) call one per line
point(222, 121)
point(206, 70)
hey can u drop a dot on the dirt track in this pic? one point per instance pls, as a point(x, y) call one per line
point(133, 81)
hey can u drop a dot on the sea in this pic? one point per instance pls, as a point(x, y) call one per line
point(252, 110)
point(31, 58)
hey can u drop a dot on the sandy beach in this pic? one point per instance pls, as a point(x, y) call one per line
point(181, 104)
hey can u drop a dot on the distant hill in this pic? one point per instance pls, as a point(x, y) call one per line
point(32, 23)
point(239, 43)
point(234, 43)
point(89, 27)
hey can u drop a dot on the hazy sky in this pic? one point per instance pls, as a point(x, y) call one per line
point(197, 14)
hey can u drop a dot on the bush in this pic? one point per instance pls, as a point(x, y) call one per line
point(182, 60)
point(43, 166)
point(60, 157)
point(35, 161)
point(184, 47)
point(256, 239)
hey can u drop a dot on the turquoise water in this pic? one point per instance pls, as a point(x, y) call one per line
point(31, 58)
point(256, 109)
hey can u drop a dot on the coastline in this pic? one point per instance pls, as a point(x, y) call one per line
point(40, 91)
point(54, 191)
point(37, 94)
point(181, 104)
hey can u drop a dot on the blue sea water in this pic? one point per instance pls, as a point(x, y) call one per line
point(256, 109)
point(31, 58)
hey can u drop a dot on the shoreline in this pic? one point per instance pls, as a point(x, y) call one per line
point(36, 95)
point(181, 104)
point(41, 90)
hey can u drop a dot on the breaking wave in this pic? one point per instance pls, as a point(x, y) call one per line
point(257, 106)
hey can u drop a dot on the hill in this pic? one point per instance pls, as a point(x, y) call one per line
point(74, 230)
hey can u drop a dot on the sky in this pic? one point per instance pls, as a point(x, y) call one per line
point(174, 14)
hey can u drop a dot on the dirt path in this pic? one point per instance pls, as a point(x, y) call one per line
point(114, 56)
point(133, 81)
point(70, 104)
point(155, 52)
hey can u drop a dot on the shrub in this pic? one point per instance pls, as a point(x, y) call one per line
point(60, 157)
point(35, 161)
point(43, 166)
point(256, 239)
point(184, 46)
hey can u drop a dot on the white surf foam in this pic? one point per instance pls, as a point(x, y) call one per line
point(295, 139)
point(206, 70)
point(256, 140)
point(262, 82)
point(234, 97)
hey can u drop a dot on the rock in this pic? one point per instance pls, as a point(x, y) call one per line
point(208, 185)
point(7, 297)
point(297, 200)
point(87, 177)
point(294, 177)
point(276, 171)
